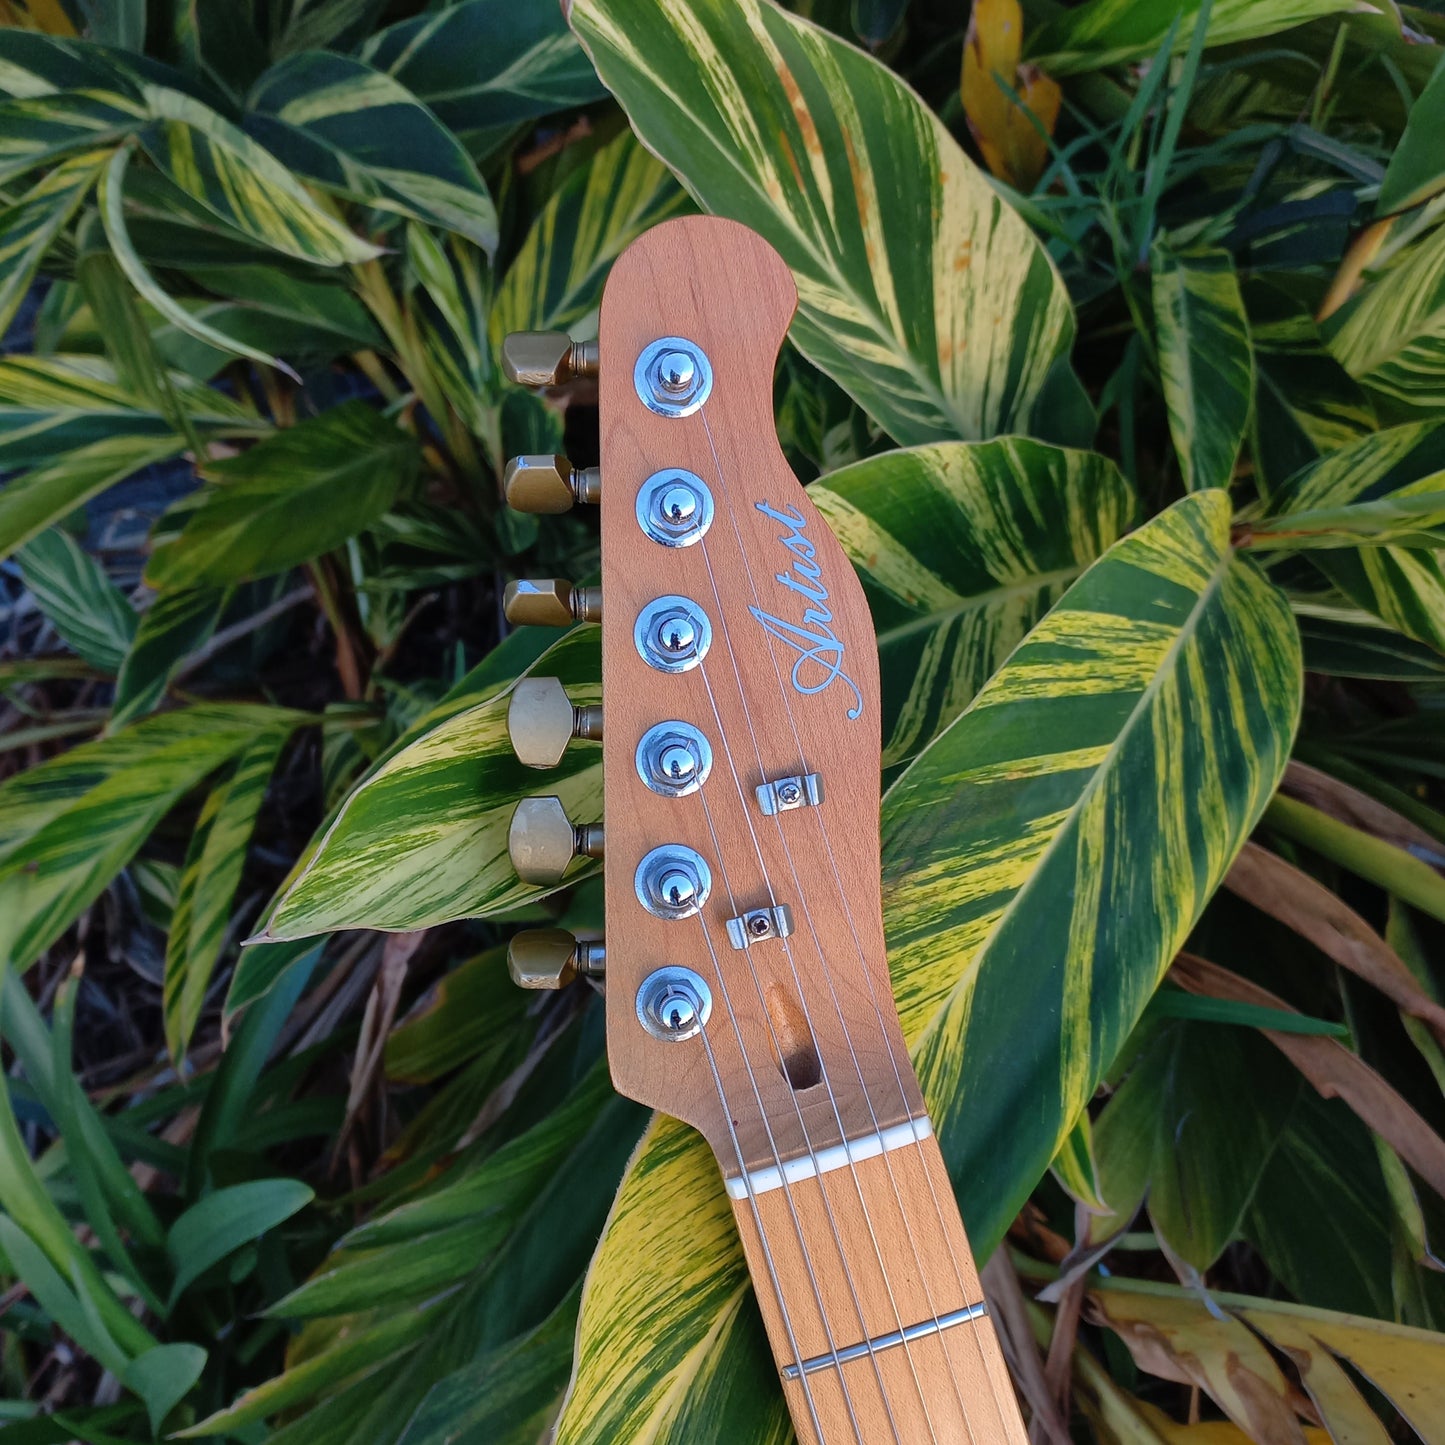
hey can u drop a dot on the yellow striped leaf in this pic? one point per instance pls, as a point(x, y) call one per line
point(38, 130)
point(214, 860)
point(670, 1347)
point(920, 291)
point(555, 280)
point(28, 227)
point(1387, 490)
point(361, 133)
point(1043, 860)
point(241, 183)
point(1109, 32)
point(437, 811)
point(1205, 360)
point(961, 548)
point(1391, 337)
point(68, 826)
point(485, 66)
point(84, 606)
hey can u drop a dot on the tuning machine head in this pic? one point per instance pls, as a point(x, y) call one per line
point(543, 840)
point(542, 359)
point(541, 721)
point(550, 602)
point(549, 484)
point(553, 958)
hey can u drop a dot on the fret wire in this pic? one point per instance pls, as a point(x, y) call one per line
point(763, 1113)
point(867, 972)
point(802, 998)
point(762, 1237)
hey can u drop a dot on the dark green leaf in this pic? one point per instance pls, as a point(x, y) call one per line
point(222, 1222)
point(71, 589)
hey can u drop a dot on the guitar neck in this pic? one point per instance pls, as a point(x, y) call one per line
point(873, 1305)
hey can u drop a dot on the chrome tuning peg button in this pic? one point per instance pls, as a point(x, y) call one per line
point(551, 602)
point(549, 484)
point(541, 721)
point(553, 958)
point(543, 840)
point(547, 358)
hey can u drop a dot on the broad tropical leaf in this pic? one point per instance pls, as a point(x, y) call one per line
point(172, 627)
point(485, 66)
point(72, 823)
point(209, 878)
point(697, 1379)
point(1417, 166)
point(438, 811)
point(1391, 338)
point(1305, 403)
point(962, 548)
point(1118, 759)
point(1387, 489)
point(920, 292)
point(1209, 1103)
point(54, 404)
point(555, 280)
point(297, 494)
point(83, 604)
point(1205, 360)
point(39, 129)
point(361, 133)
point(28, 227)
point(38, 498)
point(242, 184)
point(1216, 1344)
point(1110, 32)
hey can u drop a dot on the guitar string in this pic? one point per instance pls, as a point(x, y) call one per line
point(977, 1329)
point(867, 1332)
point(802, 1125)
point(762, 1234)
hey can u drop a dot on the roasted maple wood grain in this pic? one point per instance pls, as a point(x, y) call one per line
point(883, 1240)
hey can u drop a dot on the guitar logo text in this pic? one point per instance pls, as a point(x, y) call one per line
point(819, 661)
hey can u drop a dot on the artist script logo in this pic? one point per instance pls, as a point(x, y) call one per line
point(819, 663)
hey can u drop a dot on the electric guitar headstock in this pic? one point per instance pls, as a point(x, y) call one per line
point(746, 981)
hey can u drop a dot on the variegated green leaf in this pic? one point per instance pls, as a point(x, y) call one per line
point(212, 870)
point(438, 812)
point(555, 280)
point(28, 227)
point(84, 605)
point(241, 183)
point(1305, 402)
point(1387, 489)
point(485, 66)
point(35, 499)
point(700, 1380)
point(1117, 761)
point(68, 826)
point(1110, 32)
point(53, 404)
point(297, 494)
point(1391, 337)
point(920, 291)
point(173, 626)
point(1148, 717)
point(1205, 360)
point(35, 131)
point(361, 133)
point(962, 548)
point(1417, 166)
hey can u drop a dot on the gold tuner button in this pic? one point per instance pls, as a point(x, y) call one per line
point(553, 958)
point(551, 602)
point(547, 358)
point(543, 841)
point(549, 484)
point(542, 721)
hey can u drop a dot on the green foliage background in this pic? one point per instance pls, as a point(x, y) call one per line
point(1138, 447)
